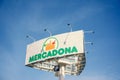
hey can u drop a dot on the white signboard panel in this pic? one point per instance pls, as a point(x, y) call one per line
point(55, 46)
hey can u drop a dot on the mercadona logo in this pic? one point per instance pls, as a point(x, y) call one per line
point(50, 49)
point(50, 44)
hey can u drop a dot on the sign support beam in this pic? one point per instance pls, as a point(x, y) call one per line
point(61, 72)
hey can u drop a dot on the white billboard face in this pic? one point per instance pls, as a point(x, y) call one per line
point(55, 46)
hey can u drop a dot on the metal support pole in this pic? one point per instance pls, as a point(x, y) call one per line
point(69, 25)
point(48, 31)
point(32, 38)
point(61, 72)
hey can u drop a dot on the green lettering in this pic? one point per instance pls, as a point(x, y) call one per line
point(49, 54)
point(39, 56)
point(36, 57)
point(60, 51)
point(54, 52)
point(31, 59)
point(44, 55)
point(74, 49)
point(67, 50)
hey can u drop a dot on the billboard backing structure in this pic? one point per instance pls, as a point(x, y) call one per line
point(66, 48)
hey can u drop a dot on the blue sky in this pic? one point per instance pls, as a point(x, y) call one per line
point(21, 17)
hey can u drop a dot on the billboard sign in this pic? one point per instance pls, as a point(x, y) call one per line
point(55, 46)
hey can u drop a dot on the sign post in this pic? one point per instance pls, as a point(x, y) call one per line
point(63, 53)
point(61, 75)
